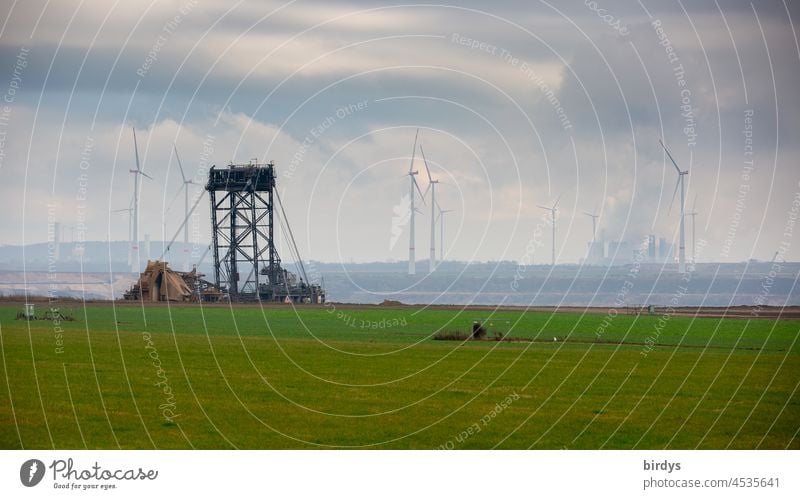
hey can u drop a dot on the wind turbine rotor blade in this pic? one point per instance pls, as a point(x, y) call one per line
point(179, 164)
point(136, 149)
point(544, 207)
point(674, 193)
point(421, 195)
point(694, 204)
point(557, 200)
point(427, 170)
point(177, 194)
point(670, 156)
point(414, 152)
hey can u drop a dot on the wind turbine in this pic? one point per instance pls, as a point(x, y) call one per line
point(138, 171)
point(412, 259)
point(432, 186)
point(441, 229)
point(694, 214)
point(129, 210)
point(552, 210)
point(185, 187)
point(682, 236)
point(594, 216)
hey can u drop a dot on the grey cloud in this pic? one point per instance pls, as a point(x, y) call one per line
point(622, 171)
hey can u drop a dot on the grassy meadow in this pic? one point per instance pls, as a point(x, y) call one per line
point(189, 377)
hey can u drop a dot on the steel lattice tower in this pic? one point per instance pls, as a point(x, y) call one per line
point(242, 205)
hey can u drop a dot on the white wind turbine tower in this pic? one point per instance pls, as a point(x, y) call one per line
point(432, 186)
point(682, 236)
point(694, 214)
point(138, 171)
point(129, 211)
point(552, 211)
point(594, 216)
point(412, 259)
point(441, 230)
point(185, 187)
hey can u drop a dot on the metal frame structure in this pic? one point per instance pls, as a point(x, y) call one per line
point(242, 227)
point(246, 264)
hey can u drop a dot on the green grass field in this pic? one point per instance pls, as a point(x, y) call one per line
point(247, 377)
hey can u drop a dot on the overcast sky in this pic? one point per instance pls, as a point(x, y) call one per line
point(517, 103)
